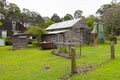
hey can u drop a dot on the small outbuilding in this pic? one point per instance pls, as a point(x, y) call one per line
point(71, 31)
point(19, 41)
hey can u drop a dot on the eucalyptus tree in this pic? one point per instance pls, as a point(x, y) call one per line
point(36, 18)
point(56, 18)
point(111, 19)
point(104, 7)
point(3, 8)
point(32, 17)
point(13, 12)
point(78, 14)
point(68, 17)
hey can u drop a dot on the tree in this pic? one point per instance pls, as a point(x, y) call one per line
point(3, 8)
point(46, 19)
point(13, 12)
point(78, 14)
point(36, 32)
point(26, 14)
point(10, 11)
point(36, 18)
point(46, 24)
point(103, 8)
point(90, 21)
point(32, 17)
point(56, 18)
point(68, 17)
point(111, 18)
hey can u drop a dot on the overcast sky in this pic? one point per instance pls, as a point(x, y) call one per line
point(61, 7)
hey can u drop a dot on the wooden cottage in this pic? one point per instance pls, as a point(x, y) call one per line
point(11, 28)
point(74, 31)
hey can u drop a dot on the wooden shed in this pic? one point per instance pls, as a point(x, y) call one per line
point(74, 31)
point(11, 28)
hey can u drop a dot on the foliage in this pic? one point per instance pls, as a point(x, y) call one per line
point(56, 18)
point(46, 24)
point(1, 23)
point(35, 43)
point(35, 64)
point(2, 8)
point(68, 17)
point(36, 32)
point(63, 49)
point(10, 11)
point(78, 14)
point(90, 21)
point(112, 38)
point(13, 12)
point(31, 17)
point(46, 19)
point(8, 41)
point(103, 8)
point(111, 18)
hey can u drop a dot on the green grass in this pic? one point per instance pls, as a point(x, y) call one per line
point(31, 63)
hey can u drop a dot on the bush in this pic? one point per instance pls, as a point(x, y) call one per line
point(63, 49)
point(8, 41)
point(35, 43)
point(100, 40)
point(113, 38)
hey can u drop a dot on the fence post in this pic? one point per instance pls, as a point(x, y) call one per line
point(112, 51)
point(73, 60)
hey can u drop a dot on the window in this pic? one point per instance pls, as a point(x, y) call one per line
point(13, 25)
point(4, 33)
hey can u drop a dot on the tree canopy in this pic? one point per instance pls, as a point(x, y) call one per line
point(78, 14)
point(46, 24)
point(10, 11)
point(56, 18)
point(36, 32)
point(68, 17)
point(103, 8)
point(90, 21)
point(111, 19)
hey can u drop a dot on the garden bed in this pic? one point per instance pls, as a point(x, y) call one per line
point(65, 55)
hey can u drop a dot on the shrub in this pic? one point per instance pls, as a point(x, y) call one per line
point(35, 43)
point(8, 41)
point(113, 38)
point(63, 49)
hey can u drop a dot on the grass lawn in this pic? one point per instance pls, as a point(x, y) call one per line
point(36, 64)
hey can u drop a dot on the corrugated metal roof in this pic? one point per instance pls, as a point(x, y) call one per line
point(61, 25)
point(56, 32)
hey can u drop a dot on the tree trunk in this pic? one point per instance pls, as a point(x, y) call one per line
point(38, 39)
point(73, 61)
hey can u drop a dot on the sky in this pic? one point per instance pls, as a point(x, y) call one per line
point(61, 7)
